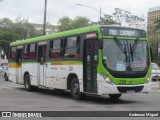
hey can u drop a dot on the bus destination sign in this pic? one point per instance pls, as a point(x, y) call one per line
point(123, 32)
point(109, 31)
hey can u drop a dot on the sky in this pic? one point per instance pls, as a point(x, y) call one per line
point(56, 9)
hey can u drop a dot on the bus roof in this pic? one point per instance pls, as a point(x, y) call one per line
point(67, 33)
point(57, 35)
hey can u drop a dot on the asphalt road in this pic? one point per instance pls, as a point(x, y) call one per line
point(14, 97)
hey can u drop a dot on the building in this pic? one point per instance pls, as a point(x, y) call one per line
point(50, 29)
point(153, 16)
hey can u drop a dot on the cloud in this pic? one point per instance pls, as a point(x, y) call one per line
point(56, 9)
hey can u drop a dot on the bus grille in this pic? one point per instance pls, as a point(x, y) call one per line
point(125, 89)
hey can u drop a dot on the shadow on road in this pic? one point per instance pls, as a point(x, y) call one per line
point(90, 99)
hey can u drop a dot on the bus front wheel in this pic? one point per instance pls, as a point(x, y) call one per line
point(115, 96)
point(75, 89)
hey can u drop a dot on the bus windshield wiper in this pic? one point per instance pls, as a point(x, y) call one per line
point(125, 52)
point(135, 45)
point(122, 47)
point(133, 48)
point(119, 44)
point(131, 51)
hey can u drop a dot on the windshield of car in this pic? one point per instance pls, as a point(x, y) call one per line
point(125, 55)
point(155, 66)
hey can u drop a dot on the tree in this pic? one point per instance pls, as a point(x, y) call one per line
point(125, 18)
point(5, 24)
point(5, 38)
point(118, 15)
point(24, 29)
point(79, 22)
point(11, 31)
point(107, 20)
point(67, 23)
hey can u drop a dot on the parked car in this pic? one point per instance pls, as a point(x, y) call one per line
point(1, 70)
point(4, 72)
point(155, 72)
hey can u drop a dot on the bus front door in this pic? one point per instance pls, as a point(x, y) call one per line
point(90, 58)
point(41, 60)
point(19, 66)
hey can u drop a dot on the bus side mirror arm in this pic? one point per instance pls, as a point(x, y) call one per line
point(100, 44)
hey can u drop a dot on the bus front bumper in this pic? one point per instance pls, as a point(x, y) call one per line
point(105, 88)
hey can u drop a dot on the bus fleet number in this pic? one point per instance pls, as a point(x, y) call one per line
point(122, 82)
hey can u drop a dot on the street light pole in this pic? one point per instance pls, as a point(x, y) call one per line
point(100, 12)
point(44, 24)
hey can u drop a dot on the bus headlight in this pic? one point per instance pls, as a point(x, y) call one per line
point(107, 79)
point(148, 79)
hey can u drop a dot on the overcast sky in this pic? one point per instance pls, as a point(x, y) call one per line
point(56, 9)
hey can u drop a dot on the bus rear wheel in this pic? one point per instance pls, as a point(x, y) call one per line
point(5, 77)
point(115, 96)
point(27, 83)
point(75, 89)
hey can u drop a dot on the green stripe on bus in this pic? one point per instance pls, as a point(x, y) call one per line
point(57, 35)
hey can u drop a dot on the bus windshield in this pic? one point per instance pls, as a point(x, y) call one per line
point(125, 55)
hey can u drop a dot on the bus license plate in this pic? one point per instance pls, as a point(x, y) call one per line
point(130, 91)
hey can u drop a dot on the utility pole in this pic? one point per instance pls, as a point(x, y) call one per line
point(100, 16)
point(44, 24)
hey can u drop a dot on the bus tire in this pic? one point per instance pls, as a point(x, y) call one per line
point(6, 77)
point(115, 96)
point(75, 89)
point(27, 83)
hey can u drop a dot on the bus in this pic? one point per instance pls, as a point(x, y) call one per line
point(97, 60)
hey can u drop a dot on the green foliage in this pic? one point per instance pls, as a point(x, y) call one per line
point(65, 24)
point(68, 24)
point(9, 31)
point(121, 17)
point(79, 22)
point(125, 18)
point(5, 38)
point(107, 20)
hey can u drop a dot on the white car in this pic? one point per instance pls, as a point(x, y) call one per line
point(155, 72)
point(4, 72)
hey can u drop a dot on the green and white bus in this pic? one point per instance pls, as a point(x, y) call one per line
point(97, 60)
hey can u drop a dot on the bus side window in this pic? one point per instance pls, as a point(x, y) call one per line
point(13, 54)
point(32, 51)
point(55, 49)
point(72, 48)
point(26, 52)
